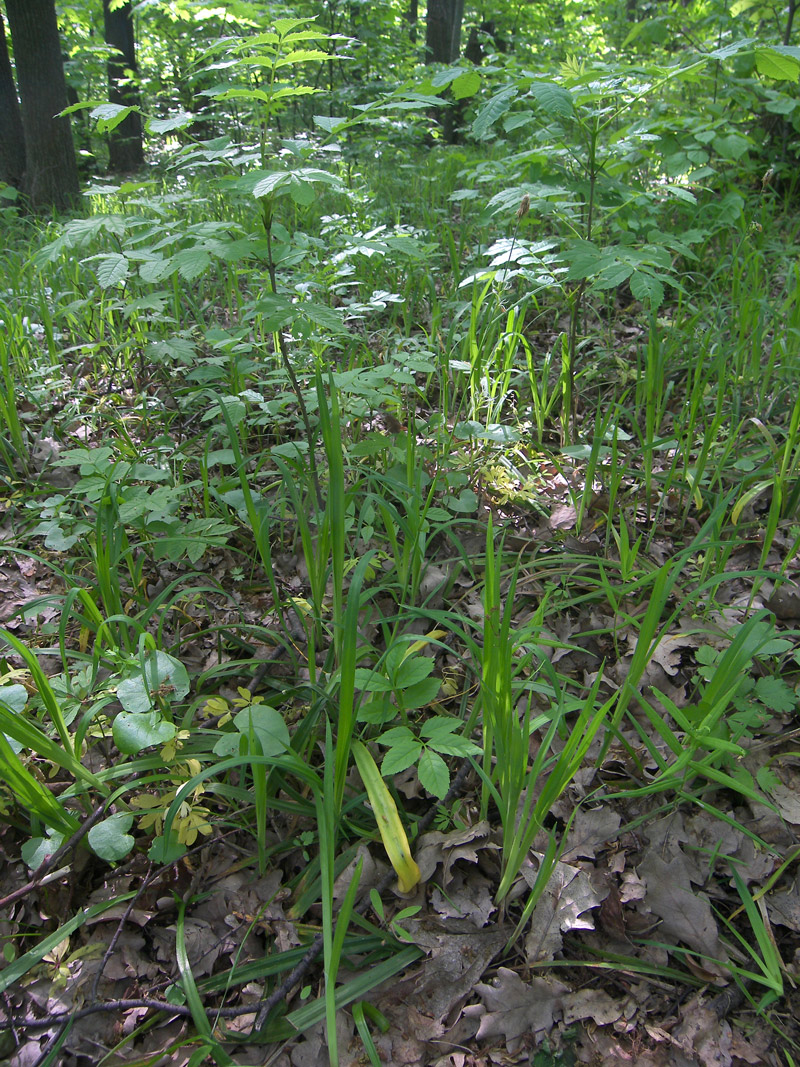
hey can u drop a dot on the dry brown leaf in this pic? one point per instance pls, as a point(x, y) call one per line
point(785, 601)
point(787, 802)
point(685, 914)
point(568, 895)
point(203, 945)
point(469, 898)
point(666, 836)
point(784, 906)
point(591, 829)
point(593, 1004)
point(702, 1037)
point(447, 848)
point(563, 517)
point(632, 887)
point(458, 953)
point(604, 1047)
point(670, 649)
point(371, 874)
point(515, 1008)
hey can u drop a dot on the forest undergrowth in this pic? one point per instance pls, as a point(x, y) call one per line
point(399, 584)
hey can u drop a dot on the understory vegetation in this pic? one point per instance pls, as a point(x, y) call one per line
point(400, 652)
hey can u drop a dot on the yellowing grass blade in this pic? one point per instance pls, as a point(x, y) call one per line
point(391, 829)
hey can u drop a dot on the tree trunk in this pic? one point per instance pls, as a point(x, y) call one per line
point(12, 139)
point(51, 171)
point(125, 151)
point(411, 17)
point(443, 30)
point(787, 33)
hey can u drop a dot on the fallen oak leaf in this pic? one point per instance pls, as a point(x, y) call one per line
point(515, 1008)
point(567, 896)
point(685, 914)
point(593, 1004)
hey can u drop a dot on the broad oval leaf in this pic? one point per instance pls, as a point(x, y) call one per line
point(266, 725)
point(466, 84)
point(110, 839)
point(495, 432)
point(163, 674)
point(109, 116)
point(132, 732)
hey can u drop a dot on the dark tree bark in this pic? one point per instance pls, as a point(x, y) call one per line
point(443, 45)
point(443, 30)
point(787, 33)
point(479, 37)
point(411, 17)
point(51, 171)
point(125, 151)
point(12, 139)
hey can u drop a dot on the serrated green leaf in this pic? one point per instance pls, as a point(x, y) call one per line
point(775, 694)
point(779, 66)
point(156, 269)
point(728, 50)
point(372, 681)
point(433, 774)
point(179, 121)
point(327, 318)
point(440, 726)
point(302, 55)
point(583, 259)
point(191, 263)
point(330, 123)
point(398, 735)
point(271, 184)
point(412, 670)
point(421, 694)
point(109, 116)
point(400, 757)
point(767, 779)
point(111, 269)
point(552, 99)
point(612, 276)
point(454, 745)
point(647, 287)
point(297, 90)
point(302, 192)
point(441, 735)
point(493, 110)
point(283, 27)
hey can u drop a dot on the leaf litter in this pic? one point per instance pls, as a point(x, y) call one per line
point(631, 895)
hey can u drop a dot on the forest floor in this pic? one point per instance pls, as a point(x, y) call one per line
point(624, 587)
